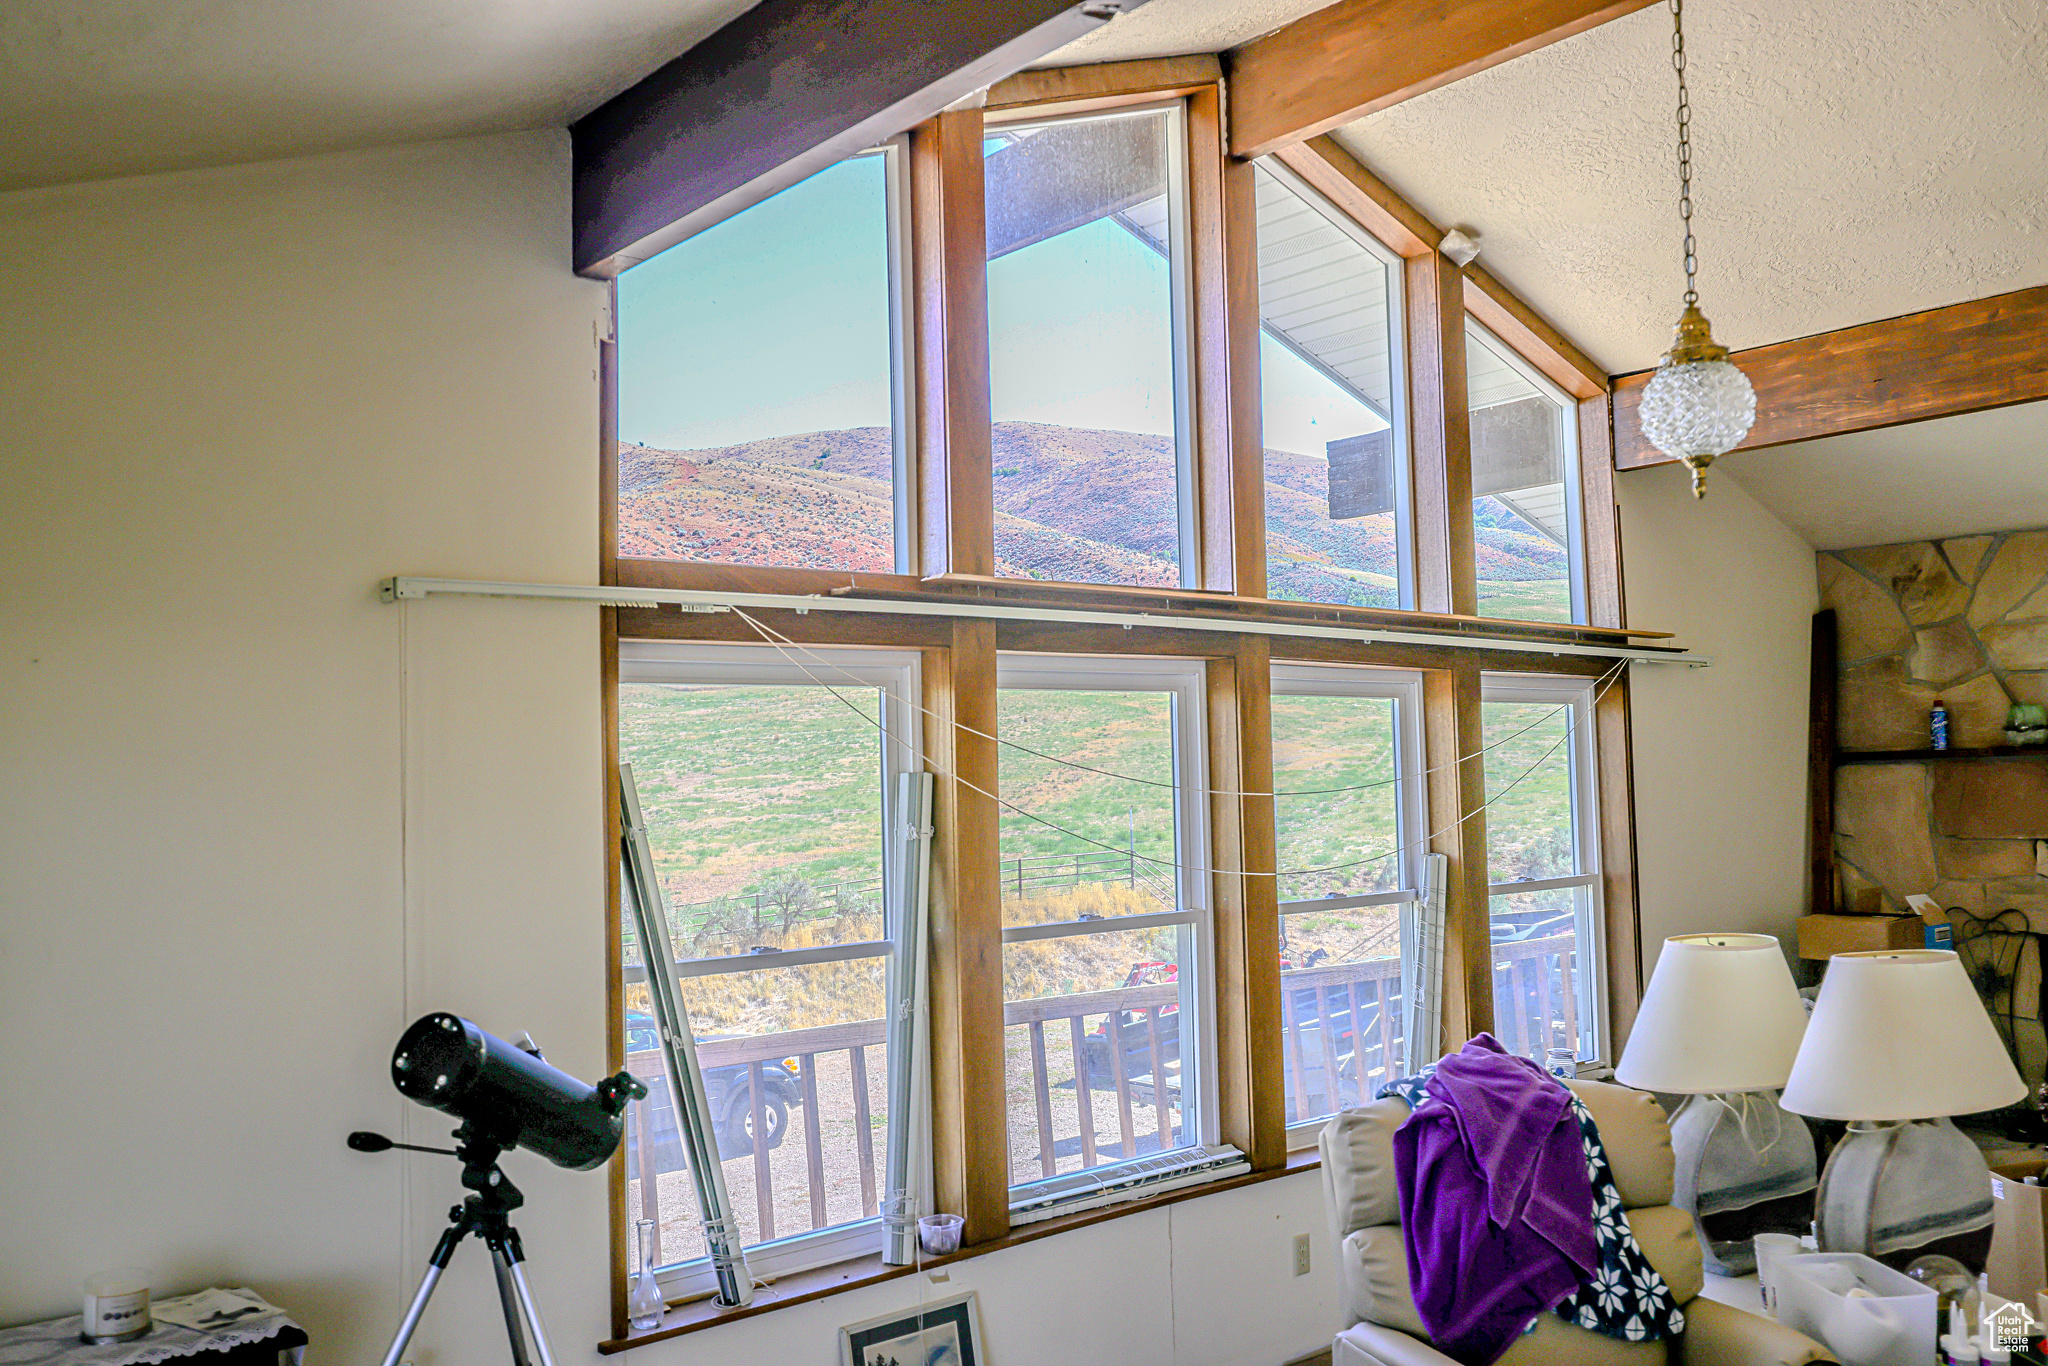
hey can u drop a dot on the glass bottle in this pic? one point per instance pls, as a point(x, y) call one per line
point(644, 1302)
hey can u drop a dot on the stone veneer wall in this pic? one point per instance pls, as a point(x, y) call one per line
point(1964, 620)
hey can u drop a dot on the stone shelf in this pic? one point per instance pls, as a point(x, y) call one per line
point(1917, 756)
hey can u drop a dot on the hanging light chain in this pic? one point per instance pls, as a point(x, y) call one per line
point(1692, 295)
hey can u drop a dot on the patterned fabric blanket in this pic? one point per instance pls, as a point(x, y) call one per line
point(1624, 1297)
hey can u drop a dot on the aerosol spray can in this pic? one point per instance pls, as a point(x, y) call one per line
point(1937, 725)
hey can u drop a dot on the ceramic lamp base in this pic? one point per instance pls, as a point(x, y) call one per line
point(1894, 1190)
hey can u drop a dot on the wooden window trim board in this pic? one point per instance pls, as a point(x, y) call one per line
point(1102, 85)
point(935, 633)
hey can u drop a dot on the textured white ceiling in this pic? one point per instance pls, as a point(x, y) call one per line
point(97, 88)
point(94, 88)
point(1955, 476)
point(1173, 28)
point(1854, 160)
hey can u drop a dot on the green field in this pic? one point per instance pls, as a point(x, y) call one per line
point(749, 791)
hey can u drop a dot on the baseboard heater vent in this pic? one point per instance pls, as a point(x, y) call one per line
point(1129, 1181)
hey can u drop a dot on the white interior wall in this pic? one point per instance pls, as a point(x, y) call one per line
point(1720, 752)
point(257, 821)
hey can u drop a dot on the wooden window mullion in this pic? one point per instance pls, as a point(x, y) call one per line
point(1230, 457)
point(953, 479)
point(1452, 737)
point(1622, 917)
point(969, 1122)
point(1600, 530)
point(1446, 572)
point(1252, 1096)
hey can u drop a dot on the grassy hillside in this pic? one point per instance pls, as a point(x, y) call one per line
point(763, 808)
point(1071, 504)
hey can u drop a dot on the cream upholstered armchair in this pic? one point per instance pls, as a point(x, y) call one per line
point(1365, 1215)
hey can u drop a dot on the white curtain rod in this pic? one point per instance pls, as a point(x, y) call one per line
point(720, 600)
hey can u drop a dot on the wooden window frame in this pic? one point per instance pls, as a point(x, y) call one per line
point(951, 480)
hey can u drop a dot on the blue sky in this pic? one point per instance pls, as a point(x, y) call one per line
point(776, 322)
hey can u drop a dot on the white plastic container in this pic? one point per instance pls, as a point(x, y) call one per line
point(116, 1306)
point(1869, 1314)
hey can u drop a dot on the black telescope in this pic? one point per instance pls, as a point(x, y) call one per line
point(506, 1097)
point(510, 1097)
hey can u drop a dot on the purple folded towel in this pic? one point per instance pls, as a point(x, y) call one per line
point(1496, 1202)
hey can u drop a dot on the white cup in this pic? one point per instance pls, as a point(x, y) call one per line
point(1771, 1248)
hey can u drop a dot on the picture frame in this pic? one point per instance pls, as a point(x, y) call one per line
point(949, 1335)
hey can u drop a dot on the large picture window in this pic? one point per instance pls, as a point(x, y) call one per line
point(761, 413)
point(1348, 804)
point(766, 782)
point(1087, 339)
point(1525, 481)
point(1337, 506)
point(1106, 939)
point(1543, 865)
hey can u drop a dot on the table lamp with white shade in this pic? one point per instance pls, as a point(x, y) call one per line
point(1899, 1042)
point(1720, 1024)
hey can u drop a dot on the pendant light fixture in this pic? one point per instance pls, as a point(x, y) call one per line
point(1698, 405)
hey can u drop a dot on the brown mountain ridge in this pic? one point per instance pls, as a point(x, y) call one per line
point(1073, 504)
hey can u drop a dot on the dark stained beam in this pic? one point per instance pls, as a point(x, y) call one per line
point(1988, 353)
point(1356, 57)
point(781, 92)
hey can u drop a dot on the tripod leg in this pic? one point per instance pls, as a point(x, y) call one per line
point(437, 1262)
point(515, 1257)
point(508, 1297)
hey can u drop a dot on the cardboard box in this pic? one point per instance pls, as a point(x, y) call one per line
point(1940, 934)
point(2018, 1264)
point(1823, 936)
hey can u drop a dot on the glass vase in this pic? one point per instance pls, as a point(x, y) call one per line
point(644, 1302)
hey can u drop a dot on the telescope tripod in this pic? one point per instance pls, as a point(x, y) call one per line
point(487, 1215)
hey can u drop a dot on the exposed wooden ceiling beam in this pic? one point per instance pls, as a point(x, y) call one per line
point(1988, 353)
point(1356, 57)
point(784, 90)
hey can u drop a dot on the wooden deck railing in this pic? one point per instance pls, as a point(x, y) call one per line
point(1535, 1001)
point(1341, 1032)
point(1334, 1018)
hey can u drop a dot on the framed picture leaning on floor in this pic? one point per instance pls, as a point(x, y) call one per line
point(947, 1333)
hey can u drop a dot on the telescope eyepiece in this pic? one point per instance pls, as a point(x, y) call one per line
point(615, 1093)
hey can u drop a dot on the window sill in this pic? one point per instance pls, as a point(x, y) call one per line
point(692, 574)
point(801, 1287)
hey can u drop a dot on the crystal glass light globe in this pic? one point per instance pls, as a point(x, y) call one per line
point(1698, 405)
point(1702, 407)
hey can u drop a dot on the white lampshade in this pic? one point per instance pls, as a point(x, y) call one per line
point(1900, 1034)
point(1720, 1014)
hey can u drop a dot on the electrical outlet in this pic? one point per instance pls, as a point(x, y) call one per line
point(1301, 1254)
